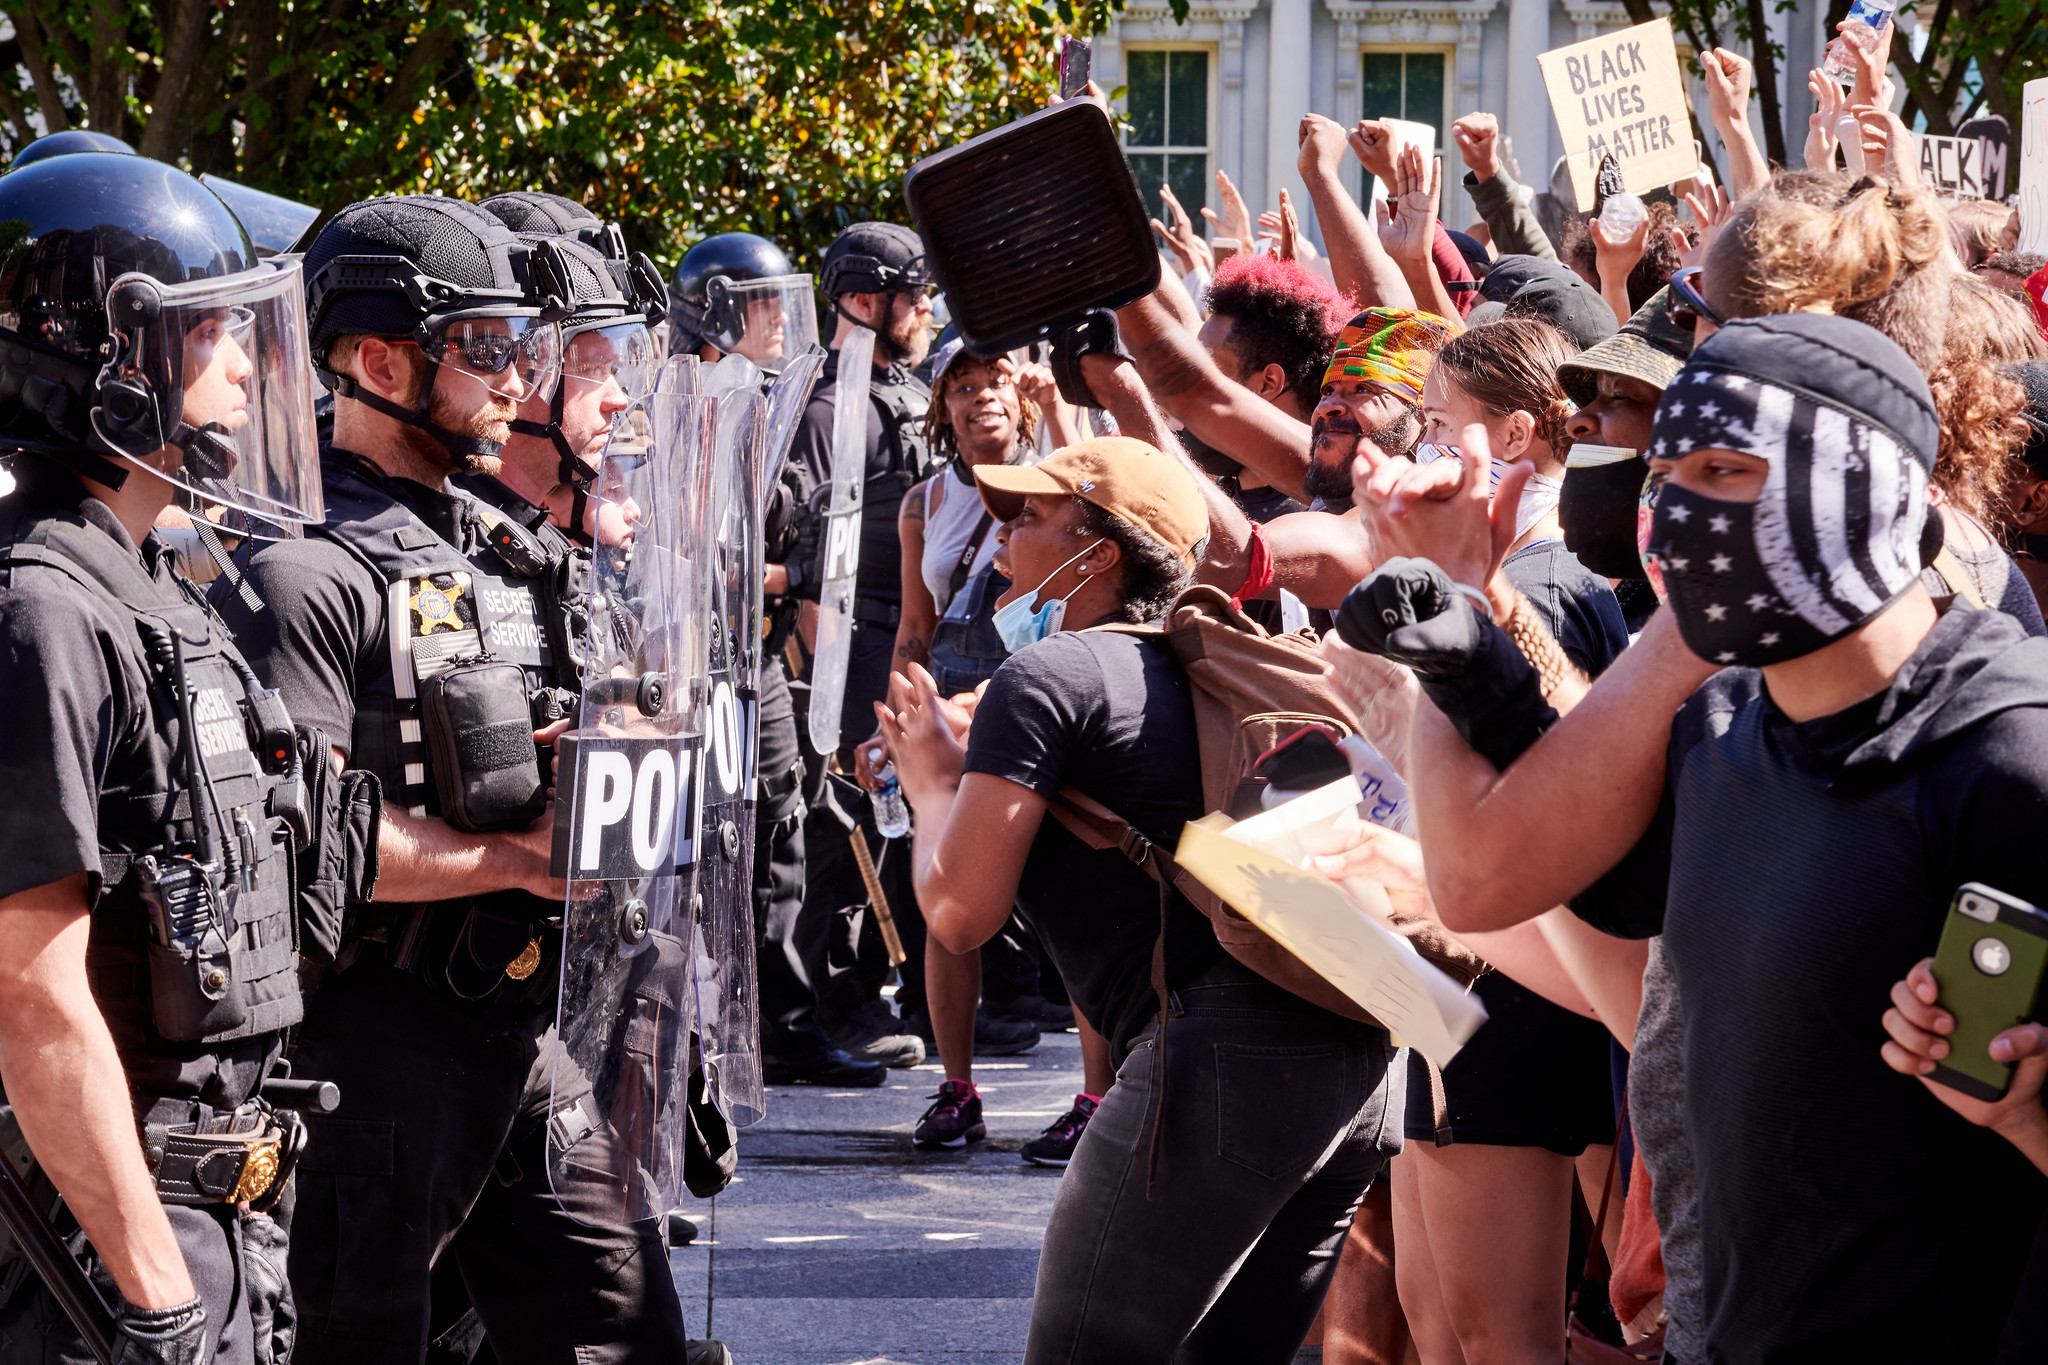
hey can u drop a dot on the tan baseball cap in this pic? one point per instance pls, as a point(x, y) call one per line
point(1124, 477)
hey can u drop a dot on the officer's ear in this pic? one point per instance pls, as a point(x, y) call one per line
point(866, 309)
point(388, 368)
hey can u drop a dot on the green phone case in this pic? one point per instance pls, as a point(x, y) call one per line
point(1989, 967)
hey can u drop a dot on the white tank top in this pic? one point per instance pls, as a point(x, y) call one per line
point(952, 510)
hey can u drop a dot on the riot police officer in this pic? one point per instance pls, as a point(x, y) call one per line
point(874, 276)
point(149, 938)
point(736, 293)
point(609, 358)
point(428, 638)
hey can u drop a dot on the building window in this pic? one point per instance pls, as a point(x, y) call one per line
point(1168, 103)
point(1404, 85)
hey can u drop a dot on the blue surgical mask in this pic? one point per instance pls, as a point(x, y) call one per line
point(1020, 626)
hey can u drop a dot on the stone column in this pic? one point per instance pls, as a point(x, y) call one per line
point(1527, 116)
point(1287, 98)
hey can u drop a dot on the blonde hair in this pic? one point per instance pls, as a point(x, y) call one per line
point(1975, 228)
point(1509, 366)
point(1824, 242)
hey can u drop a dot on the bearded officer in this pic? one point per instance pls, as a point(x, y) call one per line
point(148, 935)
point(432, 323)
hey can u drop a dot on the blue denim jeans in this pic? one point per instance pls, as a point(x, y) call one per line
point(1276, 1119)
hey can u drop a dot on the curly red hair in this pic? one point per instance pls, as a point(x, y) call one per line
point(1281, 313)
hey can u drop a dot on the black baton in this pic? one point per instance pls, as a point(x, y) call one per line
point(53, 1261)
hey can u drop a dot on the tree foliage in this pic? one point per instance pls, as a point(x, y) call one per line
point(766, 115)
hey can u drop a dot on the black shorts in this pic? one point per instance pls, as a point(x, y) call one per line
point(1534, 1075)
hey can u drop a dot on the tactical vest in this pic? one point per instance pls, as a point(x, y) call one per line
point(146, 987)
point(908, 460)
point(445, 603)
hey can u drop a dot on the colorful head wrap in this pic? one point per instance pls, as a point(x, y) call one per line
point(1391, 347)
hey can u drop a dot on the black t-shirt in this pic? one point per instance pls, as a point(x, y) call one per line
point(1111, 715)
point(1575, 603)
point(1845, 1212)
point(85, 746)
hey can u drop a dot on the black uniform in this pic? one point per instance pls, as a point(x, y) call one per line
point(96, 773)
point(835, 937)
point(438, 1022)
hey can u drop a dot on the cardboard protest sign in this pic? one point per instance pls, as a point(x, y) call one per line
point(1621, 93)
point(2034, 166)
point(1969, 167)
point(1996, 158)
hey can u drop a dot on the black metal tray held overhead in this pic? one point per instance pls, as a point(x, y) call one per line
point(1031, 225)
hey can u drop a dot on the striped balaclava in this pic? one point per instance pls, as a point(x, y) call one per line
point(1847, 426)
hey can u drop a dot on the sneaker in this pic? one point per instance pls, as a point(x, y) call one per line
point(1049, 1017)
point(995, 1036)
point(954, 1120)
point(1055, 1146)
point(874, 1034)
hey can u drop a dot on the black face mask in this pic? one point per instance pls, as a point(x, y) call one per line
point(1721, 595)
point(1597, 510)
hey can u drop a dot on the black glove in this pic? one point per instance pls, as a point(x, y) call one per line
point(1408, 610)
point(162, 1336)
point(1094, 334)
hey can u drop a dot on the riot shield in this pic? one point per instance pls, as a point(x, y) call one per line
point(627, 841)
point(728, 1013)
point(787, 398)
point(834, 648)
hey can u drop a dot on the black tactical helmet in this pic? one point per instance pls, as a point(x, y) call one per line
point(66, 142)
point(448, 276)
point(552, 215)
point(634, 282)
point(696, 317)
point(123, 281)
point(875, 258)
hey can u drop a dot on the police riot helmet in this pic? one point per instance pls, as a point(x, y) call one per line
point(553, 215)
point(66, 142)
point(450, 278)
point(607, 339)
point(875, 258)
point(138, 330)
point(739, 293)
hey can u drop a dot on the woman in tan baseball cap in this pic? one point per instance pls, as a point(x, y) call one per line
point(1217, 1239)
point(1106, 530)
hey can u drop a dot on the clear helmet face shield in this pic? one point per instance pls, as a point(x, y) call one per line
point(770, 321)
point(498, 352)
point(208, 388)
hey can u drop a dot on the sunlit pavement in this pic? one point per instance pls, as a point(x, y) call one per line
point(840, 1243)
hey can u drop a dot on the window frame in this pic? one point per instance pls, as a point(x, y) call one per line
point(1448, 53)
point(1211, 92)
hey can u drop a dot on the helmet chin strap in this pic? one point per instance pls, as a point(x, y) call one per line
point(454, 442)
point(568, 469)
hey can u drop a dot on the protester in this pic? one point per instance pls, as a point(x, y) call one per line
point(2008, 272)
point(1787, 1221)
point(983, 412)
point(1976, 228)
point(1230, 1257)
point(2024, 519)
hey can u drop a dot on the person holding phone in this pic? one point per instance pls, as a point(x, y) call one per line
point(1917, 1029)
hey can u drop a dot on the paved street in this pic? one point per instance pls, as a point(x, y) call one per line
point(839, 1243)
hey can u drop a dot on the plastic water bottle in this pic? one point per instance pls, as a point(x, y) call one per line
point(892, 812)
point(1621, 215)
point(1867, 21)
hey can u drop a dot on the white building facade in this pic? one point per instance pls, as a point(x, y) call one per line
point(1227, 88)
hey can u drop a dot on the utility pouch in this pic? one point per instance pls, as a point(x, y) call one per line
point(192, 992)
point(338, 862)
point(478, 724)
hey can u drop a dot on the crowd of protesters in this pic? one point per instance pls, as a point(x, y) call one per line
point(1690, 586)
